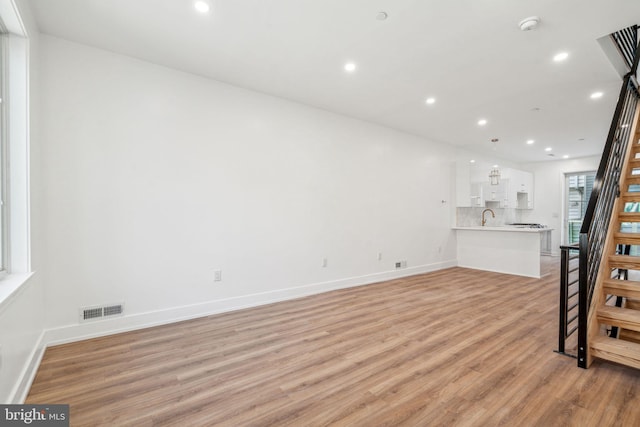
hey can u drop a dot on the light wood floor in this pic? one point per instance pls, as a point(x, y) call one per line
point(454, 347)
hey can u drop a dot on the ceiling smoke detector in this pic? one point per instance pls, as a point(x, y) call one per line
point(530, 23)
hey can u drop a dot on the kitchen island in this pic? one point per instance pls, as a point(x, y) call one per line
point(508, 249)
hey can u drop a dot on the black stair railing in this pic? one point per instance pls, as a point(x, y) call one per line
point(568, 316)
point(626, 40)
point(605, 190)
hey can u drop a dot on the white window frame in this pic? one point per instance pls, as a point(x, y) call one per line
point(16, 124)
point(4, 154)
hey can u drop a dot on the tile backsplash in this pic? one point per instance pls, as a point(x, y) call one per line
point(471, 217)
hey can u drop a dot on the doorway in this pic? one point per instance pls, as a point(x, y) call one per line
point(578, 187)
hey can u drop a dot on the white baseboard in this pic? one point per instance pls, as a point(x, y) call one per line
point(77, 332)
point(21, 389)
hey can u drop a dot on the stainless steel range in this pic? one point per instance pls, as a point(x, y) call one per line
point(527, 225)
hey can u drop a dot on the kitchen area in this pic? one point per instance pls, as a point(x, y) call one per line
point(494, 227)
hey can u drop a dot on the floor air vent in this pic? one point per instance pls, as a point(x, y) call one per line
point(93, 313)
point(112, 310)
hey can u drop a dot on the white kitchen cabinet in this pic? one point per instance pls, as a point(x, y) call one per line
point(496, 196)
point(476, 197)
point(473, 188)
point(516, 189)
point(521, 192)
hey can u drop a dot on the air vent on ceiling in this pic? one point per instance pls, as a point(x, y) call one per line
point(93, 313)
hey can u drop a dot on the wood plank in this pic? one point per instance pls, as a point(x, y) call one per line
point(617, 316)
point(629, 216)
point(622, 288)
point(632, 302)
point(619, 351)
point(453, 347)
point(628, 335)
point(629, 197)
point(627, 238)
point(631, 180)
point(626, 262)
point(634, 163)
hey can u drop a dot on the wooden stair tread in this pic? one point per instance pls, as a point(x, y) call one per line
point(634, 161)
point(619, 351)
point(623, 288)
point(627, 335)
point(628, 216)
point(622, 317)
point(627, 238)
point(632, 302)
point(626, 262)
point(632, 179)
point(630, 197)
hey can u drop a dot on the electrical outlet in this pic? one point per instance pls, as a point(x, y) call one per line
point(217, 276)
point(401, 264)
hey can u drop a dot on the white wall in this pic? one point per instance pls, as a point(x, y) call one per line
point(21, 316)
point(155, 178)
point(549, 183)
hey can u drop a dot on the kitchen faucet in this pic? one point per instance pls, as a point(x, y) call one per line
point(484, 221)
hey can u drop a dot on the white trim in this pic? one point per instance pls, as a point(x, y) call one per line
point(18, 212)
point(11, 286)
point(20, 391)
point(11, 18)
point(125, 323)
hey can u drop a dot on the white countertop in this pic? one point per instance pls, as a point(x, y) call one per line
point(505, 228)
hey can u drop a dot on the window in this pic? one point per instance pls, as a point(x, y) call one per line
point(3, 157)
point(14, 152)
point(578, 191)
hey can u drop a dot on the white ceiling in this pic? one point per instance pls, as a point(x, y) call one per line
point(468, 54)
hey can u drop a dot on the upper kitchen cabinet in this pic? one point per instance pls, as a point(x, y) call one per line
point(514, 188)
point(521, 189)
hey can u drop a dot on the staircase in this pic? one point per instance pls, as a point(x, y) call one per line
point(614, 332)
point(609, 251)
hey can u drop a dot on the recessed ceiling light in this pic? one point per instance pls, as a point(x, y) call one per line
point(548, 149)
point(472, 161)
point(430, 101)
point(350, 67)
point(482, 122)
point(202, 6)
point(381, 16)
point(560, 56)
point(530, 141)
point(566, 156)
point(596, 95)
point(496, 166)
point(530, 23)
